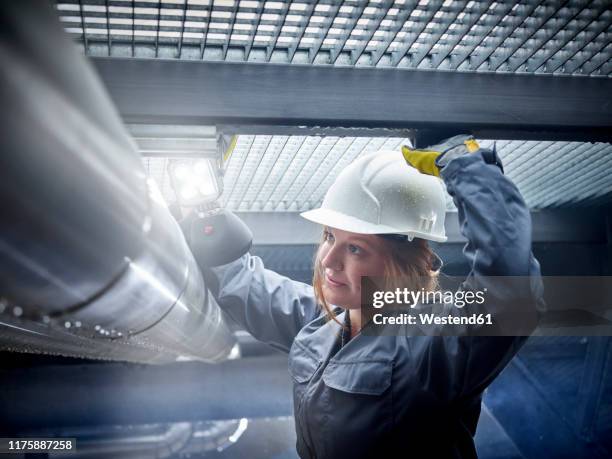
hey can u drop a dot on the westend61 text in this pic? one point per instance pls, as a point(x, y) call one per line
point(432, 319)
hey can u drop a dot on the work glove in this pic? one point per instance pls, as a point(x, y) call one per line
point(431, 160)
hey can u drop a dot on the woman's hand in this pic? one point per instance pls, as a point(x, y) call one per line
point(431, 159)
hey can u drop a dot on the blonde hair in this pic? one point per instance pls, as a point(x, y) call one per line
point(408, 264)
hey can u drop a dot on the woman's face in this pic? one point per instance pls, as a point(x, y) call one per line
point(345, 258)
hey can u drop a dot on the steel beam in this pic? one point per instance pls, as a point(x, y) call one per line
point(568, 225)
point(489, 105)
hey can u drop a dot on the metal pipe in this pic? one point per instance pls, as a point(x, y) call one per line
point(91, 261)
point(158, 444)
point(116, 393)
point(184, 439)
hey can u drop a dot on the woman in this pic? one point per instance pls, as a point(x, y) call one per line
point(388, 396)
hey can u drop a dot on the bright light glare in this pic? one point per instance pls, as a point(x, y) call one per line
point(181, 172)
point(188, 192)
point(208, 189)
point(195, 181)
point(203, 169)
point(158, 285)
point(242, 426)
point(155, 193)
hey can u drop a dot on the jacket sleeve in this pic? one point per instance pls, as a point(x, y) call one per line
point(496, 222)
point(271, 307)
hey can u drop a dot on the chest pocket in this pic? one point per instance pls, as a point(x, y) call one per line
point(367, 377)
point(302, 363)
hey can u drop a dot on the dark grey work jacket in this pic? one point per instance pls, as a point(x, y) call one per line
point(391, 396)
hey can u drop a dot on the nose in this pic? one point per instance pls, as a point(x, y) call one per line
point(333, 259)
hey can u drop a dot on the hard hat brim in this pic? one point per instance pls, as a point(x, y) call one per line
point(335, 219)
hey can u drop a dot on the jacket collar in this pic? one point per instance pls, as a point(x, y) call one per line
point(322, 336)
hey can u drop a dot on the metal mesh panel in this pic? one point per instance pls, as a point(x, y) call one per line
point(558, 174)
point(570, 37)
point(292, 173)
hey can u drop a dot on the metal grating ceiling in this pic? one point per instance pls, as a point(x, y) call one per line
point(292, 173)
point(554, 37)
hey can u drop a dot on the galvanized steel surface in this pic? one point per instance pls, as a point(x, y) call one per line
point(571, 38)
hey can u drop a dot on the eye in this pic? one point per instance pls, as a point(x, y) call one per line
point(354, 249)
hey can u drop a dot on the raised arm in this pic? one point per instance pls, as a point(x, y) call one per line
point(496, 222)
point(271, 307)
point(493, 217)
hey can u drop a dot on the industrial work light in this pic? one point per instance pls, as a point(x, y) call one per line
point(215, 235)
point(195, 182)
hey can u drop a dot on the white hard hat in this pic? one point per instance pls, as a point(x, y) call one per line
point(380, 193)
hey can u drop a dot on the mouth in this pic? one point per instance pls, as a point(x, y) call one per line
point(333, 283)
